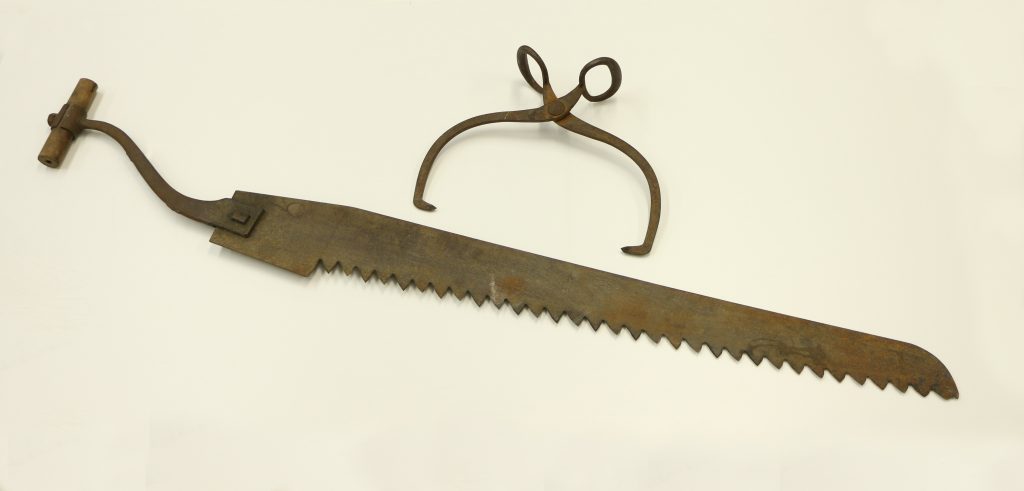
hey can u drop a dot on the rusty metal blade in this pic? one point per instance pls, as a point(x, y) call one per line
point(300, 235)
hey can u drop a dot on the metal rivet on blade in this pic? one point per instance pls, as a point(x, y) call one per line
point(240, 216)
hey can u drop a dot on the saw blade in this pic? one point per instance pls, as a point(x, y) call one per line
point(300, 235)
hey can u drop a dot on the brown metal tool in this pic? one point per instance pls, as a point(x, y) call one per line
point(303, 236)
point(558, 110)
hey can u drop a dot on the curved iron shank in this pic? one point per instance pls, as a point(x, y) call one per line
point(65, 126)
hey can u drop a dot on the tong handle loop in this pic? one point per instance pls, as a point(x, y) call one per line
point(615, 71)
point(524, 68)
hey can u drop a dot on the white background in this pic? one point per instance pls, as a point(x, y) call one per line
point(856, 163)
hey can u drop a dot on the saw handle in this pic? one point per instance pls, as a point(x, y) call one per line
point(66, 124)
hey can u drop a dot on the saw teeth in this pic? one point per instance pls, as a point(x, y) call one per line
point(578, 317)
point(797, 367)
point(536, 310)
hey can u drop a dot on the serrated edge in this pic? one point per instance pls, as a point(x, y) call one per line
point(636, 334)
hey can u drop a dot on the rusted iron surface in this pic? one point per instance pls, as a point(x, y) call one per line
point(557, 110)
point(300, 235)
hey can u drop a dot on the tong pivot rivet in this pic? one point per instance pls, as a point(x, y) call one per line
point(556, 108)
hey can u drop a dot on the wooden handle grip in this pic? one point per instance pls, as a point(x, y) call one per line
point(64, 125)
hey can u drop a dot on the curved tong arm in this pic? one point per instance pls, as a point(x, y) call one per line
point(65, 126)
point(580, 127)
point(556, 110)
point(536, 115)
